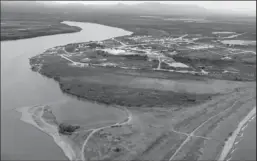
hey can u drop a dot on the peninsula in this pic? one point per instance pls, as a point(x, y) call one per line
point(181, 91)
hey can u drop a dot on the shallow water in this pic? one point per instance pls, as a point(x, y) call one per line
point(22, 87)
point(77, 113)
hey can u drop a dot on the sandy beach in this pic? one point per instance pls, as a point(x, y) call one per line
point(33, 115)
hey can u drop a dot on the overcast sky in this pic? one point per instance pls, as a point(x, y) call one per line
point(231, 5)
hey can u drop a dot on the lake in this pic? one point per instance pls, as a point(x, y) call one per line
point(21, 87)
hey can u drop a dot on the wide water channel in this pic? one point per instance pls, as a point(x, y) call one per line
point(21, 87)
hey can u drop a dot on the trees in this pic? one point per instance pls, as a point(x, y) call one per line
point(67, 129)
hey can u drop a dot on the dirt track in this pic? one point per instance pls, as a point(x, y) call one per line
point(185, 134)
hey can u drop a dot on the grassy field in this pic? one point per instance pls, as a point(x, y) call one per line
point(163, 131)
point(141, 88)
point(119, 89)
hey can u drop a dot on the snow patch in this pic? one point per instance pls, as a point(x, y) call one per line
point(226, 71)
point(223, 32)
point(109, 64)
point(197, 47)
point(226, 58)
point(204, 72)
point(177, 65)
point(238, 42)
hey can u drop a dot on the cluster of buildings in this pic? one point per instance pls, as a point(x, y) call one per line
point(144, 45)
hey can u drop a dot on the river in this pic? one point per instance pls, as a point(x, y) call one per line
point(22, 87)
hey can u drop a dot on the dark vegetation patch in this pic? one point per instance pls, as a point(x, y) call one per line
point(70, 47)
point(246, 71)
point(130, 97)
point(20, 29)
point(57, 68)
point(67, 129)
point(136, 57)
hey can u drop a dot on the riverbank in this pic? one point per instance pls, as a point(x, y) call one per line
point(117, 94)
point(33, 116)
point(42, 118)
point(22, 87)
point(15, 30)
point(229, 143)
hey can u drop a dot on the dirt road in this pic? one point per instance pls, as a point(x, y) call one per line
point(195, 130)
point(101, 128)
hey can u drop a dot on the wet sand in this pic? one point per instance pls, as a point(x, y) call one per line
point(33, 115)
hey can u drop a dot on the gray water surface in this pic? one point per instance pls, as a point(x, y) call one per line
point(22, 87)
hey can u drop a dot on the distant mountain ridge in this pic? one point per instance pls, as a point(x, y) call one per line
point(145, 8)
point(153, 8)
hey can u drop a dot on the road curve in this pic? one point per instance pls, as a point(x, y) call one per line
point(101, 128)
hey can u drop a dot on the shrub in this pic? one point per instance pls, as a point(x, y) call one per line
point(67, 129)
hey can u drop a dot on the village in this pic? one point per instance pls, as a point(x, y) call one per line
point(170, 54)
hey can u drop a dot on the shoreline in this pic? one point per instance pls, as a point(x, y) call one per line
point(28, 113)
point(32, 36)
point(33, 116)
point(27, 116)
point(230, 142)
point(74, 29)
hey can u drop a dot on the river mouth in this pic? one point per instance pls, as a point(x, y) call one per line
point(23, 87)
